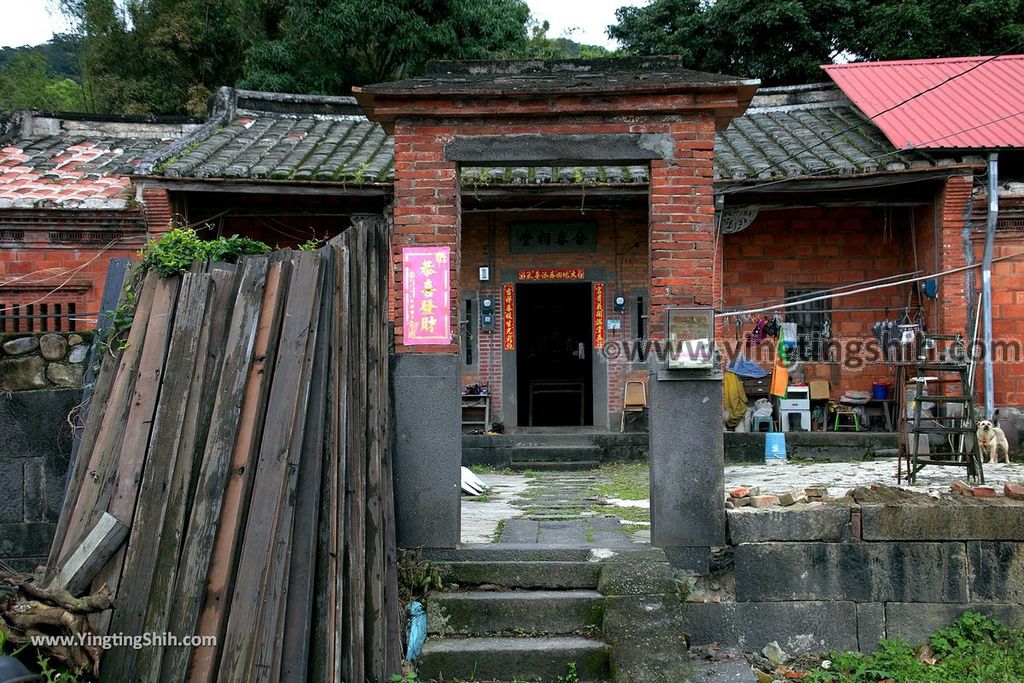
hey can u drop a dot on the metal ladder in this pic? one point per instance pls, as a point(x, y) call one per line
point(949, 368)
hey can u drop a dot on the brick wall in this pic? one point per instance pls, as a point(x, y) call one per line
point(427, 202)
point(821, 248)
point(619, 261)
point(59, 258)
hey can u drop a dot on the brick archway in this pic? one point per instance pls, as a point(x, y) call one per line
point(642, 111)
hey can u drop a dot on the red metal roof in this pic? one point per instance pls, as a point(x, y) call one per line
point(981, 107)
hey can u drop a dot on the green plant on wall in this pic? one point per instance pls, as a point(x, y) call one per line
point(176, 251)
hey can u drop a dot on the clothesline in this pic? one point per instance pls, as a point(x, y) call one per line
point(861, 290)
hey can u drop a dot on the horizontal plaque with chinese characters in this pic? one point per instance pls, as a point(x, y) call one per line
point(426, 290)
point(545, 274)
point(543, 238)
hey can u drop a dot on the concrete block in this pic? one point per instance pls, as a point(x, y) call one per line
point(798, 523)
point(870, 625)
point(647, 639)
point(763, 501)
point(507, 658)
point(996, 571)
point(861, 572)
point(636, 577)
point(916, 621)
point(12, 487)
point(27, 539)
point(695, 559)
point(687, 466)
point(484, 612)
point(1014, 491)
point(791, 497)
point(967, 519)
point(35, 491)
point(427, 436)
point(21, 374)
point(799, 627)
point(33, 424)
point(65, 375)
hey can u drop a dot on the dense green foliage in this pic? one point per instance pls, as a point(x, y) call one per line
point(174, 252)
point(28, 82)
point(974, 649)
point(326, 46)
point(785, 41)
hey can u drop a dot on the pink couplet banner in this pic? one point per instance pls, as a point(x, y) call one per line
point(426, 295)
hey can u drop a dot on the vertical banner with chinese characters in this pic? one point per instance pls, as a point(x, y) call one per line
point(426, 295)
point(508, 317)
point(598, 316)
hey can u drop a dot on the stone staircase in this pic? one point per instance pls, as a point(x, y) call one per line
point(528, 612)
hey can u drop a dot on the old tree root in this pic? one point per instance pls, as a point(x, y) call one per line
point(29, 611)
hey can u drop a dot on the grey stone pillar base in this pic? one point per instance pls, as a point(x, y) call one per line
point(426, 425)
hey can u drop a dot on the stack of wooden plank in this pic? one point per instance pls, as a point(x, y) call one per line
point(242, 437)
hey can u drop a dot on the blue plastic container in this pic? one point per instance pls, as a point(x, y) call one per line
point(774, 448)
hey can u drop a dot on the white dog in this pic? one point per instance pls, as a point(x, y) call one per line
point(992, 441)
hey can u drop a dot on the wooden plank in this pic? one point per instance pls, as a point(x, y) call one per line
point(269, 486)
point(204, 521)
point(269, 633)
point(392, 605)
point(95, 402)
point(199, 404)
point(355, 491)
point(113, 294)
point(299, 612)
point(221, 570)
point(341, 384)
point(159, 459)
point(108, 434)
point(94, 551)
point(376, 618)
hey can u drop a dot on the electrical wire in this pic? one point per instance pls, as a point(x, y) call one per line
point(734, 189)
point(790, 304)
point(897, 106)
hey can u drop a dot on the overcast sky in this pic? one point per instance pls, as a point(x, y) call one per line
point(30, 22)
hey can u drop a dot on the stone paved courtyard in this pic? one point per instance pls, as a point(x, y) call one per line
point(581, 508)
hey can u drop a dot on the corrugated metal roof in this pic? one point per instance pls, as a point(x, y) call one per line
point(981, 106)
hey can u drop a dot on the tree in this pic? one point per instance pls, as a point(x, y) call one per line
point(326, 46)
point(541, 46)
point(785, 41)
point(26, 82)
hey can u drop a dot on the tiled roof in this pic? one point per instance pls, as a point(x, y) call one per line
point(287, 137)
point(947, 103)
point(791, 132)
point(56, 161)
point(537, 76)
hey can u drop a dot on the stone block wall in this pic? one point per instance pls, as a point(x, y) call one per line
point(821, 576)
point(51, 360)
point(35, 444)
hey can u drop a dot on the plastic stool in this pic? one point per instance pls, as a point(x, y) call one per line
point(765, 421)
point(854, 424)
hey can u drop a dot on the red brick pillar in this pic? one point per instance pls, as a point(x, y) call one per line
point(427, 212)
point(682, 223)
point(156, 203)
point(953, 289)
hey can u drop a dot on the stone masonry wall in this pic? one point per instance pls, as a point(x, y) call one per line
point(35, 444)
point(821, 576)
point(52, 360)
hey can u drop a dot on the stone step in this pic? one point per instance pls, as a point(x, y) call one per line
point(539, 465)
point(510, 659)
point(531, 612)
point(507, 552)
point(515, 574)
point(555, 453)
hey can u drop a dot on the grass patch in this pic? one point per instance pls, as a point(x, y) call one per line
point(624, 480)
point(628, 514)
point(973, 649)
point(482, 498)
point(490, 469)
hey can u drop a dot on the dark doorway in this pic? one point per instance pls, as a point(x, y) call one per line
point(554, 375)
